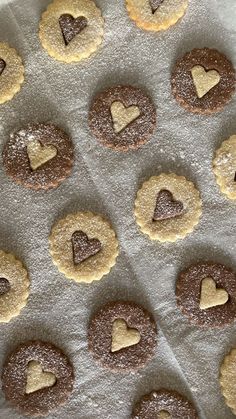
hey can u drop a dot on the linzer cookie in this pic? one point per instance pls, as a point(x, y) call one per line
point(122, 336)
point(156, 15)
point(83, 246)
point(164, 404)
point(122, 118)
point(39, 156)
point(37, 378)
point(71, 30)
point(11, 72)
point(224, 167)
point(228, 379)
point(203, 81)
point(14, 286)
point(167, 207)
point(206, 294)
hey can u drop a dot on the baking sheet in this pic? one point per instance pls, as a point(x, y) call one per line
point(187, 358)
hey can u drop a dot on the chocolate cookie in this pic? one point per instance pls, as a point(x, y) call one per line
point(122, 336)
point(37, 378)
point(39, 156)
point(203, 81)
point(164, 404)
point(122, 118)
point(206, 293)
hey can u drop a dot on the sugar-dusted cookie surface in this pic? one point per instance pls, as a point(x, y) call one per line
point(122, 336)
point(71, 30)
point(167, 207)
point(11, 72)
point(83, 246)
point(224, 167)
point(14, 286)
point(156, 15)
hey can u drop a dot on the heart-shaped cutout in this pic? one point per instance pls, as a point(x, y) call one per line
point(122, 116)
point(167, 207)
point(40, 154)
point(204, 80)
point(2, 66)
point(212, 296)
point(70, 26)
point(83, 247)
point(122, 336)
point(4, 286)
point(155, 4)
point(37, 378)
point(163, 414)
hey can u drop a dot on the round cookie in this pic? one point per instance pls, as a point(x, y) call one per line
point(122, 118)
point(224, 167)
point(71, 30)
point(167, 207)
point(156, 15)
point(11, 72)
point(14, 287)
point(203, 81)
point(83, 246)
point(206, 294)
point(164, 404)
point(37, 378)
point(122, 336)
point(228, 379)
point(39, 156)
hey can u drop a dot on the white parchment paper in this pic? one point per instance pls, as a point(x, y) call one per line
point(187, 358)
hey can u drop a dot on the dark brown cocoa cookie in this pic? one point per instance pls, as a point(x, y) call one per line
point(70, 26)
point(206, 294)
point(39, 156)
point(122, 118)
point(203, 81)
point(37, 378)
point(164, 404)
point(122, 336)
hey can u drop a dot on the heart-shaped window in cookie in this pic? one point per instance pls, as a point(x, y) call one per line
point(83, 247)
point(155, 4)
point(37, 378)
point(70, 26)
point(2, 66)
point(4, 286)
point(40, 154)
point(166, 206)
point(123, 336)
point(204, 80)
point(123, 116)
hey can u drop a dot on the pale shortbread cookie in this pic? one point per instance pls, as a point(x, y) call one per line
point(99, 262)
point(228, 379)
point(224, 167)
point(11, 72)
point(173, 227)
point(84, 43)
point(123, 116)
point(156, 15)
point(14, 286)
point(204, 80)
point(212, 296)
point(123, 336)
point(38, 154)
point(37, 378)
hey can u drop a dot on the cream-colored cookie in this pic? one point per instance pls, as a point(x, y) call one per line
point(224, 167)
point(156, 15)
point(37, 378)
point(14, 286)
point(168, 207)
point(83, 246)
point(123, 336)
point(11, 72)
point(71, 30)
point(228, 379)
